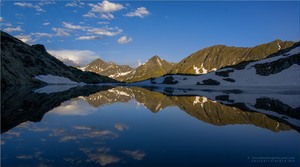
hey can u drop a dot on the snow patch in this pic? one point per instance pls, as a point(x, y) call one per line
point(120, 74)
point(82, 68)
point(204, 71)
point(279, 47)
point(118, 92)
point(287, 77)
point(158, 108)
point(271, 59)
point(158, 61)
point(197, 100)
point(197, 70)
point(202, 101)
point(52, 79)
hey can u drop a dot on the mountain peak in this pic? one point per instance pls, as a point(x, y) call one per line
point(98, 61)
point(155, 57)
point(277, 41)
point(154, 60)
point(218, 56)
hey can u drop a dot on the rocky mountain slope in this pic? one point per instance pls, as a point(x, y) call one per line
point(154, 67)
point(278, 69)
point(21, 63)
point(218, 56)
point(201, 62)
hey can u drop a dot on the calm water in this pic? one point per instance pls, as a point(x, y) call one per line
point(130, 126)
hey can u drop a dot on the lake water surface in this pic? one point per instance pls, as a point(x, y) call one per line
point(132, 126)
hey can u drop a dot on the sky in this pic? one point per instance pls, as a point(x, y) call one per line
point(131, 32)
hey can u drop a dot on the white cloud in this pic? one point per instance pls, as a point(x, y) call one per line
point(75, 4)
point(104, 9)
point(139, 12)
point(41, 34)
point(8, 24)
point(124, 40)
point(80, 57)
point(82, 127)
point(29, 38)
point(29, 5)
point(89, 37)
point(23, 4)
point(60, 32)
point(121, 127)
point(107, 16)
point(90, 15)
point(24, 157)
point(16, 29)
point(102, 22)
point(25, 38)
point(135, 154)
point(46, 2)
point(69, 62)
point(103, 159)
point(73, 27)
point(1, 18)
point(46, 23)
point(71, 4)
point(106, 31)
point(21, 23)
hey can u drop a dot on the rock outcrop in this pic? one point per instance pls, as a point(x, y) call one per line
point(20, 63)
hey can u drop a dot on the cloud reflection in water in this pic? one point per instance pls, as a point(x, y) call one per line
point(74, 107)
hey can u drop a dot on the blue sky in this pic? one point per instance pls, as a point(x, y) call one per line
point(130, 32)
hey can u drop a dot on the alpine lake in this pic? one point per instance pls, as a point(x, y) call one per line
point(63, 125)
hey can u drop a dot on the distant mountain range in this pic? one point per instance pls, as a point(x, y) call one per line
point(22, 63)
point(278, 69)
point(109, 69)
point(201, 62)
point(218, 56)
point(154, 67)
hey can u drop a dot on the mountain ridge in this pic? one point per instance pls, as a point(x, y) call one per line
point(21, 63)
point(35, 60)
point(200, 62)
point(153, 67)
point(278, 69)
point(218, 56)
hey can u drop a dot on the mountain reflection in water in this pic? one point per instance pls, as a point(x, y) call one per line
point(21, 104)
point(75, 116)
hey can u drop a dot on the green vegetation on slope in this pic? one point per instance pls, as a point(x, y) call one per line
point(216, 57)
